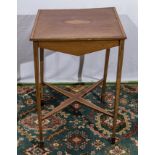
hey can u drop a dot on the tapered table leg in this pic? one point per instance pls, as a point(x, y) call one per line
point(41, 71)
point(105, 73)
point(118, 80)
point(37, 83)
point(81, 68)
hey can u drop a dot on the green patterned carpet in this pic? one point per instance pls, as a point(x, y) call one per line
point(78, 130)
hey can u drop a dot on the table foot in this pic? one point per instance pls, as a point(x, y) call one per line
point(102, 98)
point(41, 144)
point(113, 140)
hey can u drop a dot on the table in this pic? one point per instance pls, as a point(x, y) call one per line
point(77, 32)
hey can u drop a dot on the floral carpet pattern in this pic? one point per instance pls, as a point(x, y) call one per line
point(78, 130)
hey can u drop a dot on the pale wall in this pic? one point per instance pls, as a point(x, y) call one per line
point(60, 67)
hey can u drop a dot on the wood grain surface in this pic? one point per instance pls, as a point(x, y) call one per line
point(77, 24)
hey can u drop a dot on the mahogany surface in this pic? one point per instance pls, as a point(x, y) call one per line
point(77, 24)
point(77, 32)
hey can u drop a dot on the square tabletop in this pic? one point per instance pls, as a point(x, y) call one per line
point(77, 24)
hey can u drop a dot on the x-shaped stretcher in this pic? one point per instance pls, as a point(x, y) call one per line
point(76, 97)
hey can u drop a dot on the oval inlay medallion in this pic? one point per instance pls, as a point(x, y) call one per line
point(77, 21)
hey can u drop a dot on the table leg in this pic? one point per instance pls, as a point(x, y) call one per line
point(118, 80)
point(105, 73)
point(81, 68)
point(41, 71)
point(37, 83)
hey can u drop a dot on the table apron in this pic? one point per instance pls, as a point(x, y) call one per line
point(78, 47)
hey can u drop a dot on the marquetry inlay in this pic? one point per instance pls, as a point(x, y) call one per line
point(77, 21)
